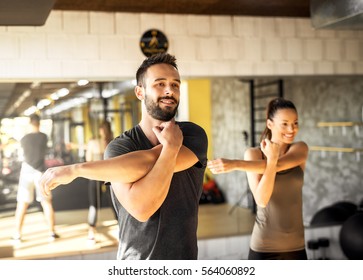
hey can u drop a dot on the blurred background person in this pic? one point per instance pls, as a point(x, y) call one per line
point(34, 148)
point(95, 150)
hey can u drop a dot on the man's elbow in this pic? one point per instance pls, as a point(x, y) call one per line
point(140, 214)
point(262, 202)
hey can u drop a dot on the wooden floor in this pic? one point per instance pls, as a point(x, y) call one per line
point(214, 221)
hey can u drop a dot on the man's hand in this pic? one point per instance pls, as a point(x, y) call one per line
point(56, 176)
point(169, 135)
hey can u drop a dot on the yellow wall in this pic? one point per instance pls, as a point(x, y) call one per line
point(199, 94)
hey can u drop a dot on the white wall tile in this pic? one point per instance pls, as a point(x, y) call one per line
point(305, 68)
point(33, 46)
point(60, 46)
point(230, 48)
point(221, 26)
point(353, 50)
point(54, 23)
point(207, 49)
point(272, 49)
point(333, 50)
point(294, 49)
point(245, 26)
point(285, 27)
point(304, 28)
point(347, 34)
point(24, 69)
point(74, 69)
point(9, 46)
point(344, 68)
point(176, 25)
point(359, 67)
point(111, 47)
point(151, 21)
point(239, 45)
point(285, 68)
point(266, 27)
point(313, 49)
point(128, 24)
point(265, 68)
point(86, 47)
point(21, 29)
point(183, 47)
point(253, 49)
point(325, 68)
point(326, 33)
point(48, 69)
point(102, 23)
point(76, 22)
point(198, 25)
point(245, 68)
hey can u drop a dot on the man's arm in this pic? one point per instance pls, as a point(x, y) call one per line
point(144, 197)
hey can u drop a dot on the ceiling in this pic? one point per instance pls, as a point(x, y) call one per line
point(35, 12)
point(13, 101)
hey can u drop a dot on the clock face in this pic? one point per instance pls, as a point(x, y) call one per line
point(153, 41)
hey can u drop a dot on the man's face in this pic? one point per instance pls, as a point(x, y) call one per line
point(162, 91)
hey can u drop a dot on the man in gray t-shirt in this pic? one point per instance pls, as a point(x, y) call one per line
point(155, 170)
point(170, 233)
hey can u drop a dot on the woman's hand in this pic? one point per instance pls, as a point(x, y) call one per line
point(220, 165)
point(271, 150)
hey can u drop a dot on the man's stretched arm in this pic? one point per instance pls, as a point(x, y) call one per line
point(144, 197)
point(126, 168)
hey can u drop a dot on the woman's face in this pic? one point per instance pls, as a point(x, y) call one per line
point(284, 126)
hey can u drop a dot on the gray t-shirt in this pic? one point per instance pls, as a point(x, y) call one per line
point(35, 147)
point(171, 232)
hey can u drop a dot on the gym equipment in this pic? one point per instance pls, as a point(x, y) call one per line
point(323, 244)
point(351, 237)
point(331, 215)
point(347, 205)
point(313, 245)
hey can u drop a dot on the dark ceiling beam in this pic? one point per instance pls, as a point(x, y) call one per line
point(277, 8)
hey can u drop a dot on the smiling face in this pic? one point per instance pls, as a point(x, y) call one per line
point(161, 91)
point(284, 126)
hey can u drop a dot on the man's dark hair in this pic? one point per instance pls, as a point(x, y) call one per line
point(158, 58)
point(35, 119)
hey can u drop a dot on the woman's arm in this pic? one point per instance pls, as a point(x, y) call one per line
point(262, 185)
point(295, 156)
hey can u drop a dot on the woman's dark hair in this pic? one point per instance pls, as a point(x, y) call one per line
point(106, 127)
point(273, 106)
point(158, 58)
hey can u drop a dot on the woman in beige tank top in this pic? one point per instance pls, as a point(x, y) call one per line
point(275, 172)
point(95, 149)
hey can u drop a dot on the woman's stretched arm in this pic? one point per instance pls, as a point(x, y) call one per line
point(295, 156)
point(262, 186)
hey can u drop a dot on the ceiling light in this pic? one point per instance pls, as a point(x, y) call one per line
point(43, 103)
point(63, 92)
point(82, 82)
point(31, 110)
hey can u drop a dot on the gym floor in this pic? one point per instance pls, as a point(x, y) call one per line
point(214, 221)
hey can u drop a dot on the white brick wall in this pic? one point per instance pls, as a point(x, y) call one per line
point(106, 45)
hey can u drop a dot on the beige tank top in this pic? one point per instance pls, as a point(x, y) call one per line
point(279, 227)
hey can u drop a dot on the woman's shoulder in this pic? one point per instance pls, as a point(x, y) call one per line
point(301, 145)
point(253, 153)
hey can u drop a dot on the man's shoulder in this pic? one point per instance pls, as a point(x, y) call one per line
point(187, 126)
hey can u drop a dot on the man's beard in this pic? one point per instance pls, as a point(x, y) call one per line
point(158, 113)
